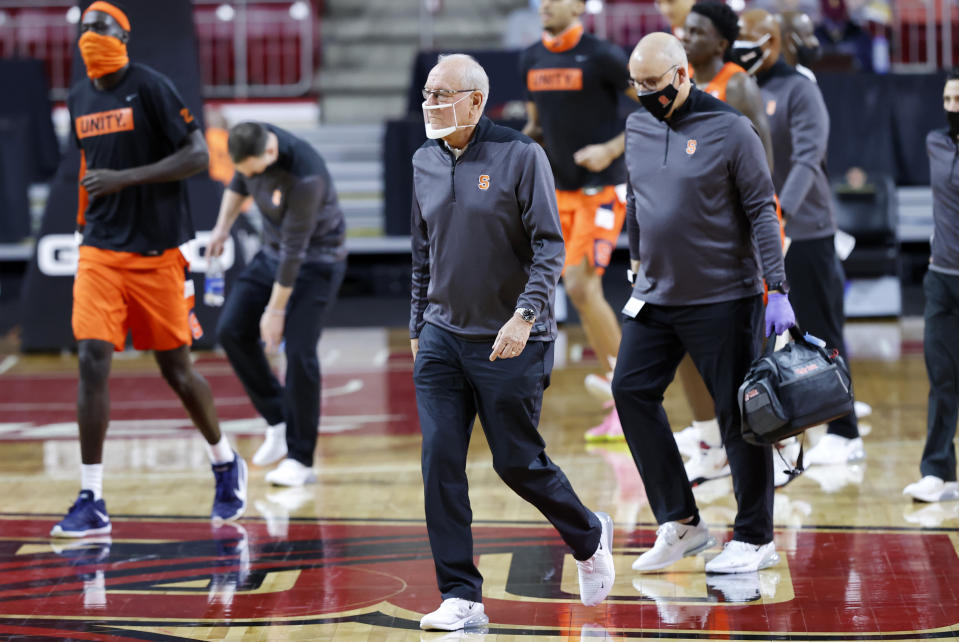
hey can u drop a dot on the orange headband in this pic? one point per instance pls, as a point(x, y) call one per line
point(110, 10)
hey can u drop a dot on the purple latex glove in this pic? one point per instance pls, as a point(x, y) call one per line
point(779, 314)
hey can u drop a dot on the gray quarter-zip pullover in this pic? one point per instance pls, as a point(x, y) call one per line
point(486, 235)
point(944, 178)
point(302, 219)
point(700, 210)
point(799, 125)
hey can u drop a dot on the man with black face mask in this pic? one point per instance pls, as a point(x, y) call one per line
point(800, 44)
point(799, 124)
point(703, 234)
point(941, 288)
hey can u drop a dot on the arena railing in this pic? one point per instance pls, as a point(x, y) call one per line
point(918, 33)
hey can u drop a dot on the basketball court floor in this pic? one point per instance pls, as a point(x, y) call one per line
point(348, 558)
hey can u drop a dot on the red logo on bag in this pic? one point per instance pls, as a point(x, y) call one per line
point(750, 394)
point(807, 369)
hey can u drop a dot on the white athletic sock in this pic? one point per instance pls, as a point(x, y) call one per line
point(221, 452)
point(710, 432)
point(276, 430)
point(91, 478)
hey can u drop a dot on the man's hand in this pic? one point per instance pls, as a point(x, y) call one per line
point(415, 347)
point(218, 237)
point(271, 329)
point(511, 339)
point(100, 182)
point(595, 158)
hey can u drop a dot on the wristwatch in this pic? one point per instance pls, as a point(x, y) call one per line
point(780, 286)
point(526, 314)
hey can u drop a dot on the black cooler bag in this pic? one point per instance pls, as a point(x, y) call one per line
point(786, 391)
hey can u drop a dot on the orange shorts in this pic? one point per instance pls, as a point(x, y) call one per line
point(591, 224)
point(117, 292)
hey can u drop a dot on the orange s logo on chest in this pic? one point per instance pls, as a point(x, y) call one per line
point(104, 122)
point(483, 182)
point(691, 146)
point(277, 197)
point(770, 107)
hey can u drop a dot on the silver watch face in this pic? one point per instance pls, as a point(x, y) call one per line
point(528, 315)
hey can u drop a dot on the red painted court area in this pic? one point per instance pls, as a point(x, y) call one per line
point(368, 401)
point(380, 573)
point(348, 557)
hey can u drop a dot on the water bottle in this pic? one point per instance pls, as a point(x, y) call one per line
point(880, 54)
point(816, 341)
point(213, 283)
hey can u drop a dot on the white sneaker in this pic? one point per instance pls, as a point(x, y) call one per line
point(454, 614)
point(740, 557)
point(739, 588)
point(788, 450)
point(862, 409)
point(273, 448)
point(674, 541)
point(835, 477)
point(688, 440)
point(291, 473)
point(597, 574)
point(932, 515)
point(709, 462)
point(833, 449)
point(677, 603)
point(932, 489)
point(599, 386)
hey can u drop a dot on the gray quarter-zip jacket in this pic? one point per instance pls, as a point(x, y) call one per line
point(302, 219)
point(486, 235)
point(700, 210)
point(944, 178)
point(799, 124)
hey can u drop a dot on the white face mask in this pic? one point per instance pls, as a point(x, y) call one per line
point(442, 132)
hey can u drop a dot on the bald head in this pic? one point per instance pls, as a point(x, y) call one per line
point(758, 22)
point(658, 61)
point(758, 25)
point(659, 49)
point(799, 41)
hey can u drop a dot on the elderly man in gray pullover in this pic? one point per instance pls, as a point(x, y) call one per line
point(487, 254)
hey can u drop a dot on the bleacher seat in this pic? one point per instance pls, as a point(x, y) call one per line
point(870, 215)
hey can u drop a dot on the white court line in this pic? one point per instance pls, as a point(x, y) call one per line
point(381, 357)
point(8, 362)
point(348, 388)
point(351, 386)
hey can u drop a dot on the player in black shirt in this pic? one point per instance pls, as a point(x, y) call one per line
point(285, 290)
point(137, 141)
point(574, 82)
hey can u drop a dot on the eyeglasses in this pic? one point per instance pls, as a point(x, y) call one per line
point(442, 93)
point(650, 85)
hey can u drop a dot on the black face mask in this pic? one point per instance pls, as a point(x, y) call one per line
point(748, 54)
point(808, 56)
point(953, 119)
point(658, 103)
point(805, 55)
